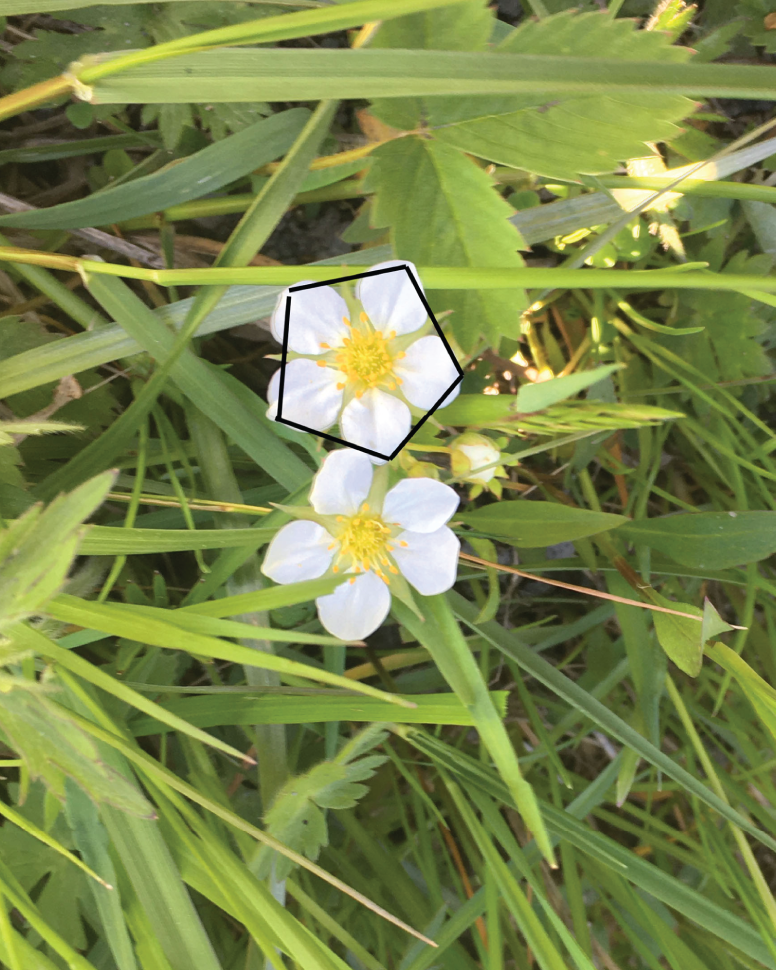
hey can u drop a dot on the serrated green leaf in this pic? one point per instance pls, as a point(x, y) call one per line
point(566, 136)
point(466, 27)
point(65, 892)
point(55, 748)
point(36, 551)
point(442, 209)
point(295, 817)
point(535, 525)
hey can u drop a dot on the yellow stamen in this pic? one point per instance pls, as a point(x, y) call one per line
point(403, 543)
point(352, 580)
point(363, 317)
point(362, 540)
point(325, 346)
point(393, 569)
point(321, 363)
point(335, 569)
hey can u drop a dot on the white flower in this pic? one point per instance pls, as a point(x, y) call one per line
point(379, 539)
point(366, 373)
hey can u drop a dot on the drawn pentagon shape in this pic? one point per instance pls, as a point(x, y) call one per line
point(376, 378)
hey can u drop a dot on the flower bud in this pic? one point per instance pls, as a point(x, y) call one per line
point(470, 452)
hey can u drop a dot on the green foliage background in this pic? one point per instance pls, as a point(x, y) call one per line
point(567, 759)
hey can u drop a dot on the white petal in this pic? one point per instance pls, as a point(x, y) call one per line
point(420, 504)
point(378, 421)
point(315, 319)
point(342, 483)
point(391, 301)
point(354, 610)
point(426, 371)
point(299, 551)
point(429, 561)
point(451, 396)
point(310, 395)
point(278, 319)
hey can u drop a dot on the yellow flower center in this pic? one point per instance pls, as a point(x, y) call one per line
point(364, 541)
point(365, 359)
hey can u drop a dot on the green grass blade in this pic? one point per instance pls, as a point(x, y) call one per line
point(30, 639)
point(442, 637)
point(240, 304)
point(235, 75)
point(567, 689)
point(206, 171)
point(70, 609)
point(212, 711)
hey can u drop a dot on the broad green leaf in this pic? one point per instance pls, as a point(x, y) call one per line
point(269, 708)
point(190, 178)
point(535, 525)
point(235, 74)
point(540, 395)
point(679, 636)
point(710, 540)
point(442, 209)
point(144, 854)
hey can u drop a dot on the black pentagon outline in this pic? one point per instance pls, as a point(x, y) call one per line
point(284, 360)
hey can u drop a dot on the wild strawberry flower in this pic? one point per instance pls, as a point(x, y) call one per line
point(366, 366)
point(377, 540)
